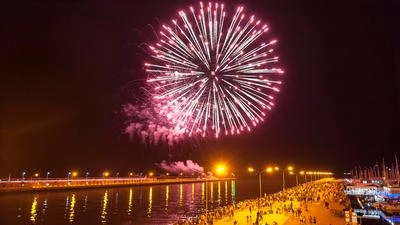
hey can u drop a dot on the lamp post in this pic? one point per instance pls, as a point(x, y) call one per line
point(289, 168)
point(297, 178)
point(23, 175)
point(305, 177)
point(251, 170)
point(268, 170)
point(69, 174)
point(47, 175)
point(310, 173)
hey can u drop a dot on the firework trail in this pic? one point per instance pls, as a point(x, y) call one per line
point(211, 73)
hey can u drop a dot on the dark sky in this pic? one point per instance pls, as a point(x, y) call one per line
point(66, 69)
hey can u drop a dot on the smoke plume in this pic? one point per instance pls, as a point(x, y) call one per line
point(178, 167)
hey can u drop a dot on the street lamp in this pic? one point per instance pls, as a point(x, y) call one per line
point(220, 169)
point(305, 177)
point(297, 179)
point(86, 175)
point(289, 168)
point(47, 175)
point(23, 175)
point(310, 173)
point(268, 170)
point(69, 174)
point(106, 174)
point(251, 170)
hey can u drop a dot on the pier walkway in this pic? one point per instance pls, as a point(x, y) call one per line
point(311, 203)
point(323, 216)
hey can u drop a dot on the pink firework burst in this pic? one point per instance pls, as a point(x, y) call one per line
point(212, 73)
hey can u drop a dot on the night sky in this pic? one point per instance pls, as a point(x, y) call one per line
point(66, 68)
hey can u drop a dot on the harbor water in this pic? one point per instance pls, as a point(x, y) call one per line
point(151, 204)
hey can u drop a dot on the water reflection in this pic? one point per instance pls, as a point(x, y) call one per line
point(226, 192)
point(161, 204)
point(130, 201)
point(33, 210)
point(166, 196)
point(212, 192)
point(116, 201)
point(203, 192)
point(66, 207)
point(180, 195)
point(44, 207)
point(192, 194)
point(104, 208)
point(72, 209)
point(219, 190)
point(150, 202)
point(233, 192)
point(85, 201)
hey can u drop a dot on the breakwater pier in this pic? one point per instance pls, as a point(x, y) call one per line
point(62, 184)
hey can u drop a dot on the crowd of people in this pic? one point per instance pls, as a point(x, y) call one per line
point(291, 202)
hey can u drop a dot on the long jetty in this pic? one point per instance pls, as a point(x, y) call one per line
point(64, 184)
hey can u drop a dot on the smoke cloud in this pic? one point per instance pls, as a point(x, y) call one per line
point(145, 122)
point(178, 167)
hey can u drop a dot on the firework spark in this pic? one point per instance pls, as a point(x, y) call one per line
point(213, 74)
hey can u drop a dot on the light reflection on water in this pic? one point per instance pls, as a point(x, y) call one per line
point(72, 209)
point(104, 208)
point(180, 194)
point(192, 194)
point(33, 210)
point(233, 192)
point(211, 192)
point(150, 202)
point(159, 204)
point(166, 196)
point(130, 201)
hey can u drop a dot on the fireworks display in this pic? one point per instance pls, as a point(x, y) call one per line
point(212, 73)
